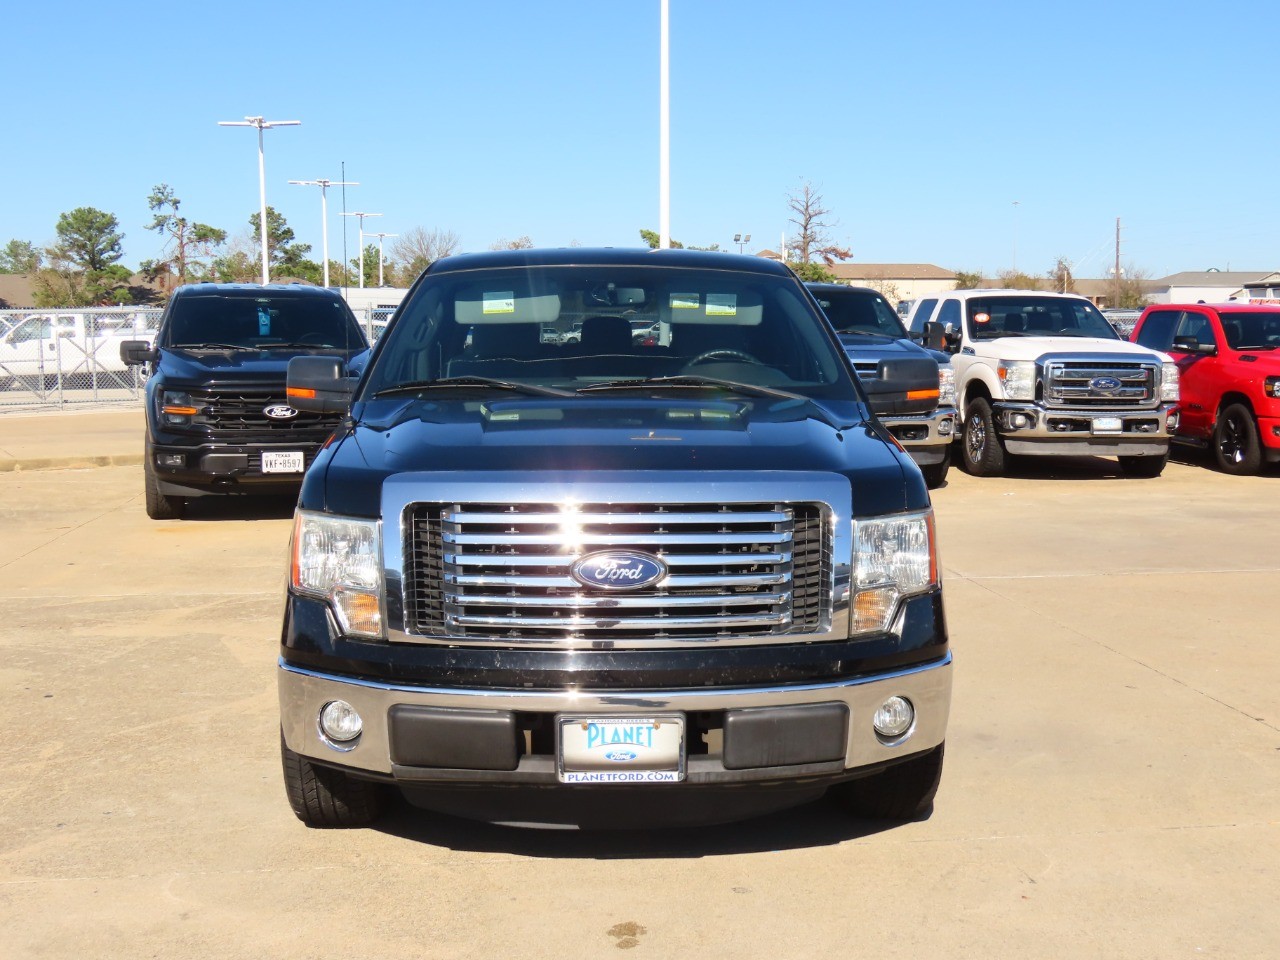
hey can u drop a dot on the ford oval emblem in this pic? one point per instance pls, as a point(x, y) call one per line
point(621, 756)
point(280, 411)
point(618, 570)
point(1105, 384)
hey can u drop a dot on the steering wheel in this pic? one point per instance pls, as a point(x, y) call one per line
point(722, 354)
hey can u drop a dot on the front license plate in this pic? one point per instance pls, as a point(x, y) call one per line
point(279, 462)
point(620, 749)
point(1107, 425)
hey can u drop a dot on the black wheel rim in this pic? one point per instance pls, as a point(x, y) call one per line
point(1233, 442)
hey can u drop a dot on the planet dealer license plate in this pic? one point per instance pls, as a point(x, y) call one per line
point(620, 749)
point(277, 461)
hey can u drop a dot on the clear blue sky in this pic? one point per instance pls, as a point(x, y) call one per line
point(920, 123)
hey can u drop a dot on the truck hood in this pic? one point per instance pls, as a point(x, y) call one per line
point(203, 366)
point(1032, 348)
point(574, 437)
point(859, 347)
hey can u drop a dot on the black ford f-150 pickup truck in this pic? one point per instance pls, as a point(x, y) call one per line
point(687, 571)
point(217, 418)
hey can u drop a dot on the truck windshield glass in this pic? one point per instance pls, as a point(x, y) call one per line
point(262, 321)
point(571, 327)
point(861, 312)
point(1252, 331)
point(1029, 316)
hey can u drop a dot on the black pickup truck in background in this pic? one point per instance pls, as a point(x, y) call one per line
point(871, 331)
point(672, 569)
point(218, 421)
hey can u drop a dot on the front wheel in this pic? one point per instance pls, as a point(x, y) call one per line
point(159, 505)
point(981, 448)
point(935, 474)
point(902, 792)
point(1143, 467)
point(324, 797)
point(1235, 441)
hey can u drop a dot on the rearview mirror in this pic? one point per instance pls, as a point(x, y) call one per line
point(1192, 345)
point(903, 385)
point(317, 385)
point(135, 352)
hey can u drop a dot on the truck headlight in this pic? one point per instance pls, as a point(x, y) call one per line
point(1169, 383)
point(894, 557)
point(176, 407)
point(1019, 379)
point(339, 559)
point(946, 386)
point(1272, 387)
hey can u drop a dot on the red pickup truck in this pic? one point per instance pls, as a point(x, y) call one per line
point(1228, 357)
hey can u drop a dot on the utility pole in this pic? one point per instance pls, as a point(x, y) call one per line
point(1116, 302)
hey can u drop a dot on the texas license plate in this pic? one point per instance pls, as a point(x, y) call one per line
point(620, 749)
point(1107, 424)
point(280, 462)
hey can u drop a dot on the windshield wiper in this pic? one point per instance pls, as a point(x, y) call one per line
point(300, 346)
point(212, 346)
point(869, 333)
point(461, 383)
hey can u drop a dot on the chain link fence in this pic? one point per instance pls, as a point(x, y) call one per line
point(61, 359)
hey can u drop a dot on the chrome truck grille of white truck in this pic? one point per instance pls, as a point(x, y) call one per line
point(1075, 383)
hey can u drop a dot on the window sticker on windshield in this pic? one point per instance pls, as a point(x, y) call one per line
point(686, 301)
point(982, 318)
point(264, 322)
point(722, 304)
point(499, 302)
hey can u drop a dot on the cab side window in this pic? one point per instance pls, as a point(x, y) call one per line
point(1196, 325)
point(1157, 329)
point(923, 314)
point(950, 313)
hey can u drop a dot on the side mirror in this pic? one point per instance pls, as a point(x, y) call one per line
point(1192, 345)
point(935, 336)
point(134, 352)
point(903, 385)
point(317, 385)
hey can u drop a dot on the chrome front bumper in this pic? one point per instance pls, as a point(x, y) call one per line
point(925, 436)
point(304, 693)
point(1031, 429)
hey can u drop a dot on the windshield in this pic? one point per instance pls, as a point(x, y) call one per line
point(576, 327)
point(262, 321)
point(1252, 331)
point(1030, 316)
point(860, 311)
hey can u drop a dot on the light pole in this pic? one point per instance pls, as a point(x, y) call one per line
point(741, 239)
point(324, 186)
point(380, 237)
point(1016, 204)
point(262, 175)
point(360, 258)
point(664, 133)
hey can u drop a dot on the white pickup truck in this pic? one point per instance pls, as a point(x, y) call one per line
point(78, 347)
point(1046, 374)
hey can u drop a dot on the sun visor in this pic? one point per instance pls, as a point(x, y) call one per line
point(500, 303)
point(736, 308)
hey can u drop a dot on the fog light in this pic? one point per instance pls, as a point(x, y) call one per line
point(340, 722)
point(1172, 420)
point(944, 428)
point(1020, 421)
point(895, 718)
point(171, 459)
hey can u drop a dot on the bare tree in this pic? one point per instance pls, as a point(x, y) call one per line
point(418, 248)
point(1061, 278)
point(812, 239)
point(519, 243)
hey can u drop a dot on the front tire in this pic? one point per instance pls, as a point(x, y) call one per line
point(980, 446)
point(902, 792)
point(324, 797)
point(159, 506)
point(1140, 468)
point(935, 474)
point(1236, 447)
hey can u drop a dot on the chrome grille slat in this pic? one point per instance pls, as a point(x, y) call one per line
point(625, 602)
point(500, 573)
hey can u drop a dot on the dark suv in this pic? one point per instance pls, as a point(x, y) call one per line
point(218, 421)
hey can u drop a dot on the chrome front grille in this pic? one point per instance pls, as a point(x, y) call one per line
point(500, 573)
point(1071, 383)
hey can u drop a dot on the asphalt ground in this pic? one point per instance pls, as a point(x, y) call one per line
point(1113, 761)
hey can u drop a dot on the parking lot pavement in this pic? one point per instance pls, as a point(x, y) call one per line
point(1110, 791)
point(99, 436)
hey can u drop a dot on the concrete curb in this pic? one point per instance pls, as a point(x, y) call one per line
point(70, 463)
